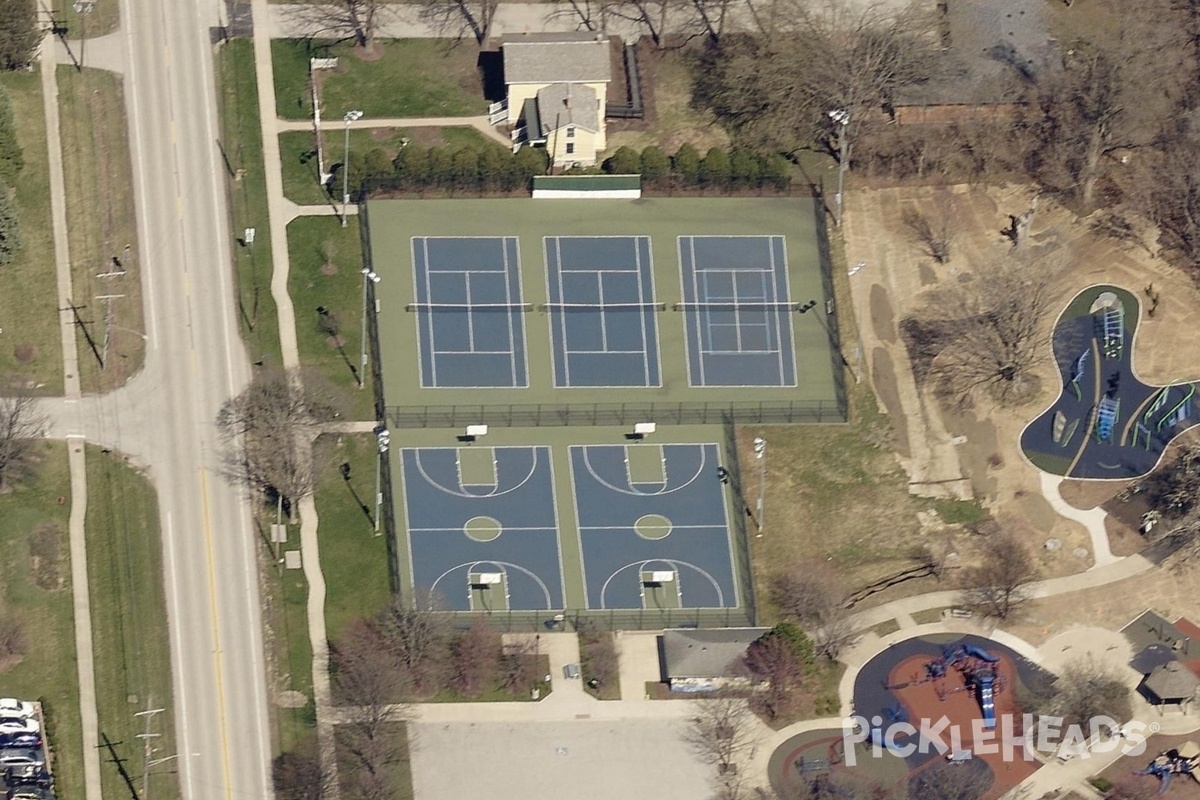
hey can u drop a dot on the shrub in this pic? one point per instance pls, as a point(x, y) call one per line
point(655, 166)
point(12, 160)
point(10, 227)
point(686, 165)
point(714, 169)
point(625, 161)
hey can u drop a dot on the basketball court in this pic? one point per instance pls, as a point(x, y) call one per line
point(483, 526)
point(653, 526)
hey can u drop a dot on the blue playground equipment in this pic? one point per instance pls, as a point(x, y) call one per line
point(1107, 414)
point(986, 700)
point(978, 670)
point(1077, 370)
point(1111, 324)
point(1167, 765)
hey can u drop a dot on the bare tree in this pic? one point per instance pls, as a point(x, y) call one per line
point(339, 19)
point(818, 70)
point(945, 781)
point(1087, 689)
point(997, 586)
point(299, 774)
point(989, 332)
point(813, 594)
point(418, 635)
point(21, 424)
point(458, 19)
point(773, 662)
point(475, 659)
point(267, 429)
point(721, 732)
point(519, 666)
point(368, 678)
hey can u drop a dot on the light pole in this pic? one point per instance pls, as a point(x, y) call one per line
point(842, 117)
point(82, 8)
point(351, 116)
point(368, 277)
point(384, 438)
point(760, 453)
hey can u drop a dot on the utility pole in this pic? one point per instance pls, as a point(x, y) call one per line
point(148, 748)
point(760, 454)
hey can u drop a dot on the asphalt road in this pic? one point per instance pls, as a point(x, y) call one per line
point(164, 418)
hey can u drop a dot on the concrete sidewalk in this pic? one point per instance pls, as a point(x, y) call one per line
point(80, 591)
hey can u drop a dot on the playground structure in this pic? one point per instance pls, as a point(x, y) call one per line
point(1182, 761)
point(979, 673)
point(1162, 413)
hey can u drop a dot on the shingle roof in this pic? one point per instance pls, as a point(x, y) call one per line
point(1172, 681)
point(709, 653)
point(562, 104)
point(570, 58)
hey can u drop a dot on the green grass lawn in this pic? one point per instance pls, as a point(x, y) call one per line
point(241, 143)
point(102, 228)
point(36, 595)
point(30, 347)
point(291, 648)
point(103, 18)
point(408, 78)
point(353, 559)
point(326, 263)
point(129, 618)
point(297, 151)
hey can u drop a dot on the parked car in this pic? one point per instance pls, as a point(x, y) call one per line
point(20, 739)
point(21, 756)
point(26, 775)
point(29, 793)
point(12, 707)
point(19, 725)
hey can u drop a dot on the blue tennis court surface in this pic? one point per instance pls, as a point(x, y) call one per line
point(469, 320)
point(471, 512)
point(635, 525)
point(738, 320)
point(602, 325)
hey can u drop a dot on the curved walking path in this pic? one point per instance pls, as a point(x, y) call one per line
point(80, 590)
point(1091, 519)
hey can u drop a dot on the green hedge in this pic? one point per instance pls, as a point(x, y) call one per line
point(717, 169)
point(418, 169)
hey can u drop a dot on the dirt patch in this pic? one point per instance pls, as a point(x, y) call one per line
point(335, 342)
point(291, 699)
point(1089, 494)
point(24, 353)
point(885, 388)
point(883, 319)
point(328, 269)
point(46, 555)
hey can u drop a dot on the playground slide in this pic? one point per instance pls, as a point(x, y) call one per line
point(979, 653)
point(987, 703)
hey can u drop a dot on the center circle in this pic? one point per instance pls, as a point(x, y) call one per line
point(652, 526)
point(482, 529)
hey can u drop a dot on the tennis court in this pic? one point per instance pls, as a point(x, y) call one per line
point(738, 311)
point(483, 526)
point(602, 324)
point(653, 526)
point(468, 306)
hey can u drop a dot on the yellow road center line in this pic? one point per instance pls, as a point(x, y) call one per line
point(212, 590)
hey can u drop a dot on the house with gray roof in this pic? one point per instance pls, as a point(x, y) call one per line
point(705, 660)
point(557, 89)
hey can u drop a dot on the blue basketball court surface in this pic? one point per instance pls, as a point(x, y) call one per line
point(602, 324)
point(469, 314)
point(483, 511)
point(652, 516)
point(738, 311)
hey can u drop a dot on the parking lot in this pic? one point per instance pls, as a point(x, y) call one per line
point(581, 759)
point(24, 763)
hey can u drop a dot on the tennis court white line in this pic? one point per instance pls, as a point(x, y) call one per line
point(630, 528)
point(503, 529)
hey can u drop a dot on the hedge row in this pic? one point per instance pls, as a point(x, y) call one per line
point(12, 161)
point(718, 169)
point(467, 169)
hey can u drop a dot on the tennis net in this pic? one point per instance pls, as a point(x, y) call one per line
point(716, 305)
